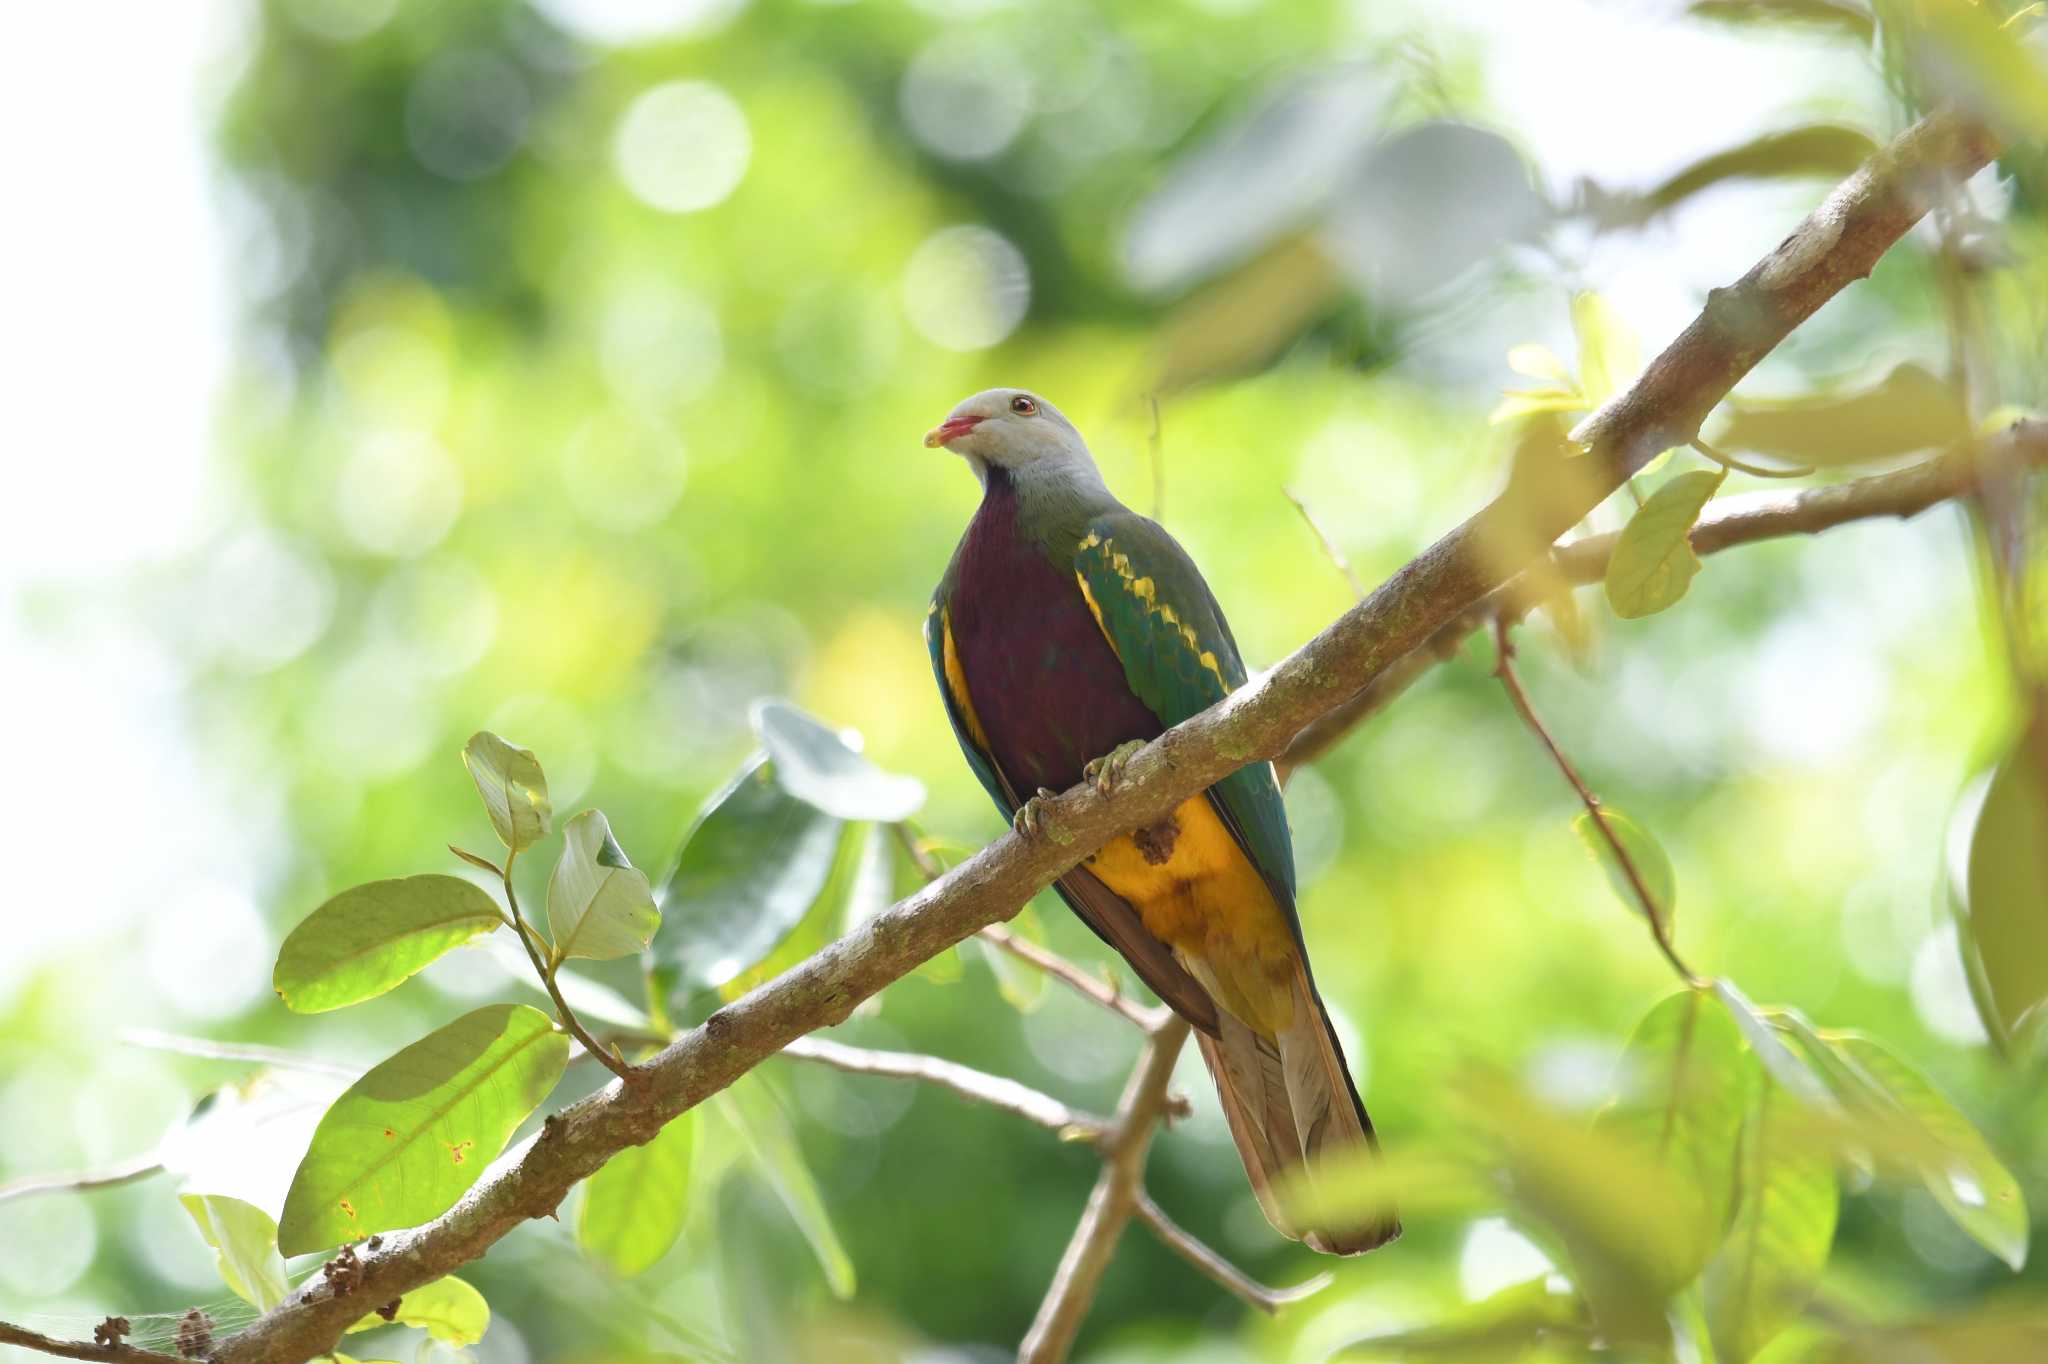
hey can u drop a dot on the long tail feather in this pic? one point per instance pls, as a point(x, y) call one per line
point(1290, 1098)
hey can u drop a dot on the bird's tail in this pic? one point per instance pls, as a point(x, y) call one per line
point(1290, 1099)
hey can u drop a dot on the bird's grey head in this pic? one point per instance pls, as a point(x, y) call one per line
point(1017, 431)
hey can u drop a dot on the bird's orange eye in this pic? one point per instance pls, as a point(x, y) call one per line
point(1023, 406)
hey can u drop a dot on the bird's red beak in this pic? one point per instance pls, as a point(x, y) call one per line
point(949, 430)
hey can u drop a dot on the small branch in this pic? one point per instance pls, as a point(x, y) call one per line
point(1728, 461)
point(546, 971)
point(973, 1085)
point(1075, 978)
point(106, 1177)
point(11, 1334)
point(1235, 1280)
point(1726, 523)
point(1112, 1203)
point(1504, 669)
point(207, 1049)
point(1329, 546)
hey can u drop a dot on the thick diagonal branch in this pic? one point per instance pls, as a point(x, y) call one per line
point(1840, 242)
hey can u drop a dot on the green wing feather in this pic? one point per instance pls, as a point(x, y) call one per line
point(1180, 659)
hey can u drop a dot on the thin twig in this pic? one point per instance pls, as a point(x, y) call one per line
point(1728, 461)
point(1190, 1248)
point(996, 1091)
point(1660, 928)
point(84, 1181)
point(11, 1334)
point(1111, 1204)
point(206, 1048)
point(1329, 546)
point(545, 970)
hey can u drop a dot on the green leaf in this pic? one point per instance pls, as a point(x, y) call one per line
point(749, 872)
point(409, 1138)
point(1653, 561)
point(633, 1208)
point(818, 767)
point(244, 1242)
point(1969, 54)
point(1507, 1326)
point(369, 938)
point(1953, 1159)
point(2003, 921)
point(1644, 851)
point(1539, 362)
point(599, 904)
point(1610, 355)
point(1022, 986)
point(448, 1310)
point(755, 1115)
point(1685, 1085)
point(1909, 409)
point(514, 789)
point(1788, 1069)
point(1766, 1270)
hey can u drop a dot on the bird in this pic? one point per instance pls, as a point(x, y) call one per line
point(1067, 632)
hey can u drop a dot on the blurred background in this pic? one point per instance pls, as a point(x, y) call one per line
point(384, 370)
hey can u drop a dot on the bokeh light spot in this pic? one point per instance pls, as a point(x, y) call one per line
point(966, 288)
point(340, 21)
point(398, 494)
point(208, 951)
point(621, 22)
point(659, 345)
point(466, 115)
point(1496, 1256)
point(683, 146)
point(624, 474)
point(965, 96)
point(45, 1244)
point(263, 601)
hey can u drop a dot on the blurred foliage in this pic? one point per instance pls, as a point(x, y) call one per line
point(587, 347)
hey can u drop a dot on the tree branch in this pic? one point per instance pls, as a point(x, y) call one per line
point(106, 1177)
point(1840, 242)
point(1112, 1202)
point(975, 1086)
point(1073, 977)
point(82, 1349)
point(1727, 522)
point(1189, 1248)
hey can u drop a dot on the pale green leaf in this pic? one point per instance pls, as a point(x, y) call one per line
point(244, 1242)
point(449, 1310)
point(1909, 409)
point(755, 1115)
point(1645, 853)
point(1518, 1323)
point(1610, 355)
point(1539, 362)
point(751, 869)
point(1765, 1271)
point(633, 1209)
point(818, 767)
point(514, 790)
point(599, 904)
point(369, 938)
point(1523, 402)
point(1790, 1071)
point(413, 1134)
point(2003, 920)
point(1684, 1084)
point(1971, 55)
point(1653, 561)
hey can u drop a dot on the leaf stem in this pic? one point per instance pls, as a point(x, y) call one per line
point(1504, 669)
point(546, 971)
point(1740, 466)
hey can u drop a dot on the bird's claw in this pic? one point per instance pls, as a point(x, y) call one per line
point(1107, 770)
point(1026, 820)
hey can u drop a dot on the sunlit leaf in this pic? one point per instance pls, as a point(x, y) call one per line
point(1846, 16)
point(634, 1208)
point(1522, 402)
point(1995, 1333)
point(410, 1137)
point(749, 872)
point(1685, 1083)
point(1360, 1185)
point(369, 938)
point(599, 904)
point(1969, 54)
point(1909, 409)
point(1645, 853)
point(2003, 920)
point(751, 1107)
point(1786, 1067)
point(1821, 149)
point(1653, 561)
point(449, 1310)
point(514, 790)
point(1504, 1327)
point(244, 1242)
point(1610, 354)
point(821, 922)
point(1956, 1164)
point(815, 765)
point(1784, 1227)
point(1539, 362)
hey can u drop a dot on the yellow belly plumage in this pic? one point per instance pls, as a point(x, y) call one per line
point(1198, 893)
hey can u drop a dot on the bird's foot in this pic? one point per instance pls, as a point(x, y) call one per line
point(1107, 770)
point(1026, 820)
